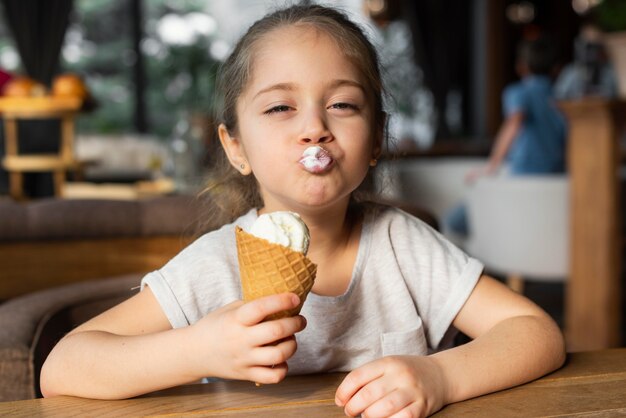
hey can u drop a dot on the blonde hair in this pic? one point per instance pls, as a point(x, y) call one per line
point(235, 194)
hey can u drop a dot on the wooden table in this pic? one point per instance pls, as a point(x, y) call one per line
point(593, 306)
point(590, 384)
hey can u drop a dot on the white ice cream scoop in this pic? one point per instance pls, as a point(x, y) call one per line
point(284, 228)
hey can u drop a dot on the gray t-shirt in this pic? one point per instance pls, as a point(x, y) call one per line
point(407, 286)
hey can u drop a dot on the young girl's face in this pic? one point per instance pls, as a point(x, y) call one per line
point(303, 93)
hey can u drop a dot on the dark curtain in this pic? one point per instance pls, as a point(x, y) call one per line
point(139, 73)
point(38, 28)
point(440, 32)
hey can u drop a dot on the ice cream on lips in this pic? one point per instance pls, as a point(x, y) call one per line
point(284, 228)
point(315, 159)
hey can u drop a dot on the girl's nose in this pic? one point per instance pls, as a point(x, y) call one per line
point(315, 130)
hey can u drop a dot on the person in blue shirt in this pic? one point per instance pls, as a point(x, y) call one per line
point(532, 138)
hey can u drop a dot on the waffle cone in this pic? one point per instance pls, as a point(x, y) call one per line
point(267, 269)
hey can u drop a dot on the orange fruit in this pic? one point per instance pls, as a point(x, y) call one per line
point(70, 85)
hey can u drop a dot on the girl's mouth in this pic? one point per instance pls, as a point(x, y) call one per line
point(316, 159)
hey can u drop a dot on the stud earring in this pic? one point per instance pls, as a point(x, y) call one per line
point(242, 166)
point(373, 162)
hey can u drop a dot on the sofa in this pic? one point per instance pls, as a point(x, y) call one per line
point(32, 324)
point(51, 242)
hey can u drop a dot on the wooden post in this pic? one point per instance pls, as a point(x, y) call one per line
point(16, 179)
point(67, 138)
point(593, 299)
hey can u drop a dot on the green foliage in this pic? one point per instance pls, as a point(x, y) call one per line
point(611, 15)
point(179, 78)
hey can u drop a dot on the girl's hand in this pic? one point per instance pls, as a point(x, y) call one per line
point(395, 386)
point(233, 342)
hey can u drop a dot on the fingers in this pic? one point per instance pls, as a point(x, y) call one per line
point(275, 354)
point(394, 386)
point(356, 380)
point(257, 310)
point(380, 399)
point(368, 390)
point(368, 395)
point(268, 375)
point(272, 331)
point(392, 404)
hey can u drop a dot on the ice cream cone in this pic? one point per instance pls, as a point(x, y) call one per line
point(267, 269)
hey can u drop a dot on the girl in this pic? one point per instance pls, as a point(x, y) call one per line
point(389, 290)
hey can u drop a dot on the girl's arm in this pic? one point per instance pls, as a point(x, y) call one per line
point(514, 342)
point(132, 349)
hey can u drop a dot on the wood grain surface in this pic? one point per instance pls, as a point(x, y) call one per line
point(591, 384)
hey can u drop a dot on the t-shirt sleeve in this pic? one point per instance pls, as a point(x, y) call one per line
point(201, 278)
point(166, 297)
point(514, 100)
point(438, 274)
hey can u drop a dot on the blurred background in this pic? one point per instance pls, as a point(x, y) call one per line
point(150, 65)
point(107, 136)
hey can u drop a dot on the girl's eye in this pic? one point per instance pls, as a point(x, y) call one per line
point(344, 106)
point(277, 109)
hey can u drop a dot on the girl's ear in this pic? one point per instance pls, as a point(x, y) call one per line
point(379, 138)
point(234, 150)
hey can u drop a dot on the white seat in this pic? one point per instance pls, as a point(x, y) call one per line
point(519, 227)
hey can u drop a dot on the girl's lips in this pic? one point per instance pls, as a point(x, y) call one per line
point(316, 159)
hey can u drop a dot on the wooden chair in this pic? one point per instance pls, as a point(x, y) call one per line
point(14, 109)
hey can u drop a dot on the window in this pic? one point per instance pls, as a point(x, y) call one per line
point(98, 46)
point(182, 43)
point(179, 63)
